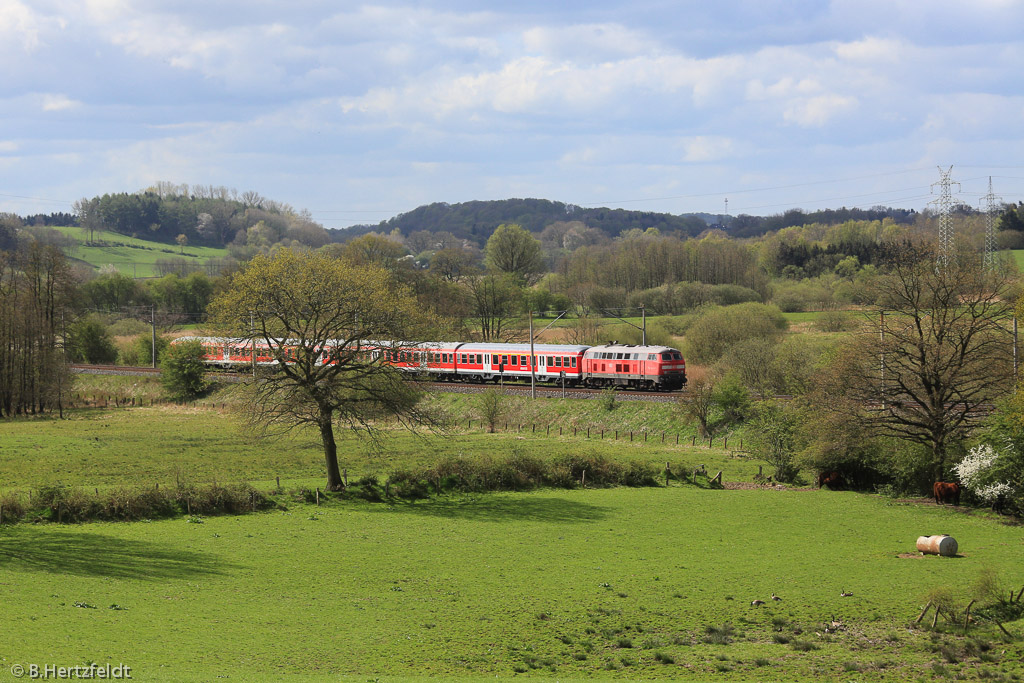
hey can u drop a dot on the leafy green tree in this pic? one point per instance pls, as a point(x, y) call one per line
point(773, 439)
point(717, 329)
point(90, 342)
point(514, 250)
point(308, 307)
point(732, 399)
point(139, 352)
point(497, 306)
point(183, 374)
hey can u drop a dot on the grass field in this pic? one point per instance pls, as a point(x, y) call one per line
point(166, 444)
point(1018, 258)
point(651, 583)
point(131, 256)
point(588, 583)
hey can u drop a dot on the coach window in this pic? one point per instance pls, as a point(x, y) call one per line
point(558, 361)
point(574, 361)
point(504, 360)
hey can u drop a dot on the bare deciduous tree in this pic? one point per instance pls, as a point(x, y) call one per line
point(936, 353)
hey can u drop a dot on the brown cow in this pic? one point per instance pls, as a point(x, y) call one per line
point(946, 492)
point(833, 480)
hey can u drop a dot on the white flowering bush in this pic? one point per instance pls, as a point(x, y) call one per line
point(979, 472)
point(994, 492)
point(973, 469)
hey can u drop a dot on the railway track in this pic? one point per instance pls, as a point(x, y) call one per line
point(514, 389)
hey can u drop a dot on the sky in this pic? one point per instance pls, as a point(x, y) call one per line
point(357, 112)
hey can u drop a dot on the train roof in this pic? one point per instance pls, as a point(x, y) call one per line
point(631, 348)
point(362, 343)
point(523, 348)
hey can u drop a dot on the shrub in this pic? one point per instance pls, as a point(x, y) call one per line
point(717, 329)
point(66, 504)
point(12, 509)
point(492, 407)
point(834, 321)
point(139, 352)
point(609, 399)
point(184, 375)
point(90, 342)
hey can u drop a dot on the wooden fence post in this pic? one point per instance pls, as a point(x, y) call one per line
point(923, 612)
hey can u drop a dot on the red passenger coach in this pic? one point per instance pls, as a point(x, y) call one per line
point(641, 367)
point(485, 362)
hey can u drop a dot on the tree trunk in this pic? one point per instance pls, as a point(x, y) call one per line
point(334, 480)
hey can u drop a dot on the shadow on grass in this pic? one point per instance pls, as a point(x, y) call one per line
point(88, 554)
point(496, 508)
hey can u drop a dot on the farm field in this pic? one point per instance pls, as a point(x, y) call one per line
point(593, 584)
point(614, 583)
point(131, 256)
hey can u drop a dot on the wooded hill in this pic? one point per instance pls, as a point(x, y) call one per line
point(476, 220)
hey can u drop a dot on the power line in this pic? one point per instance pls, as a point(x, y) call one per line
point(36, 199)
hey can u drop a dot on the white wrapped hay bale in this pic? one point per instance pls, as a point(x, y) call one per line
point(942, 544)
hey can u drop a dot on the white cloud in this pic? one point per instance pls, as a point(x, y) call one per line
point(872, 49)
point(20, 24)
point(817, 111)
point(55, 102)
point(591, 42)
point(707, 148)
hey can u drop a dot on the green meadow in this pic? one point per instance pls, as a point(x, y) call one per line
point(590, 584)
point(132, 256)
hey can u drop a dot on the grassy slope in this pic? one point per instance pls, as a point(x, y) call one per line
point(163, 444)
point(133, 256)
